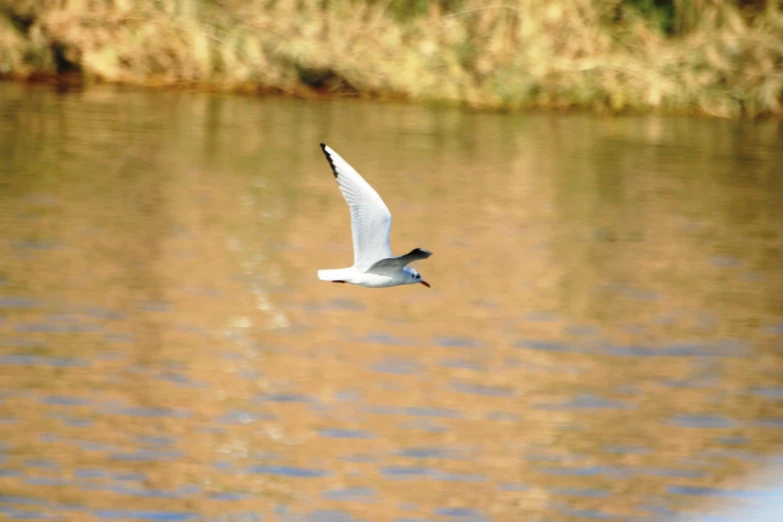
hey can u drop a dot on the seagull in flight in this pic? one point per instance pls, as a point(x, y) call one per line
point(373, 263)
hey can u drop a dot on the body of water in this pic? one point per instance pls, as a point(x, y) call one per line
point(603, 339)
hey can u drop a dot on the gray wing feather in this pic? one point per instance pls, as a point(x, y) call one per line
point(395, 264)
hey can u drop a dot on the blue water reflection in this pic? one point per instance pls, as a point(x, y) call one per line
point(350, 495)
point(289, 471)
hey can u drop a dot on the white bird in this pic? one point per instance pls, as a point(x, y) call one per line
point(373, 264)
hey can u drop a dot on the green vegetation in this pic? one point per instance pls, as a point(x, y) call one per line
point(720, 57)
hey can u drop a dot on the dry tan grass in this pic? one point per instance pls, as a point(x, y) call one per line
point(510, 55)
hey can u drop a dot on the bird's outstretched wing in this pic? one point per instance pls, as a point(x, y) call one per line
point(370, 219)
point(395, 264)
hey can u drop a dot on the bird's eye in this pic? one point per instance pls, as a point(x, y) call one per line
point(417, 276)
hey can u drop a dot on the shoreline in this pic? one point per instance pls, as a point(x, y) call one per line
point(72, 85)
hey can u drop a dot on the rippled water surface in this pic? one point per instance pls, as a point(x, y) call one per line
point(603, 339)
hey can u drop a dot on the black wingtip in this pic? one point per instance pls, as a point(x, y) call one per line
point(329, 159)
point(422, 251)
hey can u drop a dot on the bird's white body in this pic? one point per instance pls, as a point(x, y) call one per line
point(373, 263)
point(370, 280)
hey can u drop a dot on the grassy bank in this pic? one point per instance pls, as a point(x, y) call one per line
point(710, 56)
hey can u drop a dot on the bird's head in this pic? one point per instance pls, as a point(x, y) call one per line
point(414, 277)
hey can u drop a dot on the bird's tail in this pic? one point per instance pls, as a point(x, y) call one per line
point(340, 274)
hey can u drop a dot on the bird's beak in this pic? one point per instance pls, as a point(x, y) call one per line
point(425, 283)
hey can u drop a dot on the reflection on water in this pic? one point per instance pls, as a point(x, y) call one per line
point(603, 339)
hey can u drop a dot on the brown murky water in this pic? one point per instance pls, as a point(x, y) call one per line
point(603, 339)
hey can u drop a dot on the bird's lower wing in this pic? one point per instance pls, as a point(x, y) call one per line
point(395, 264)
